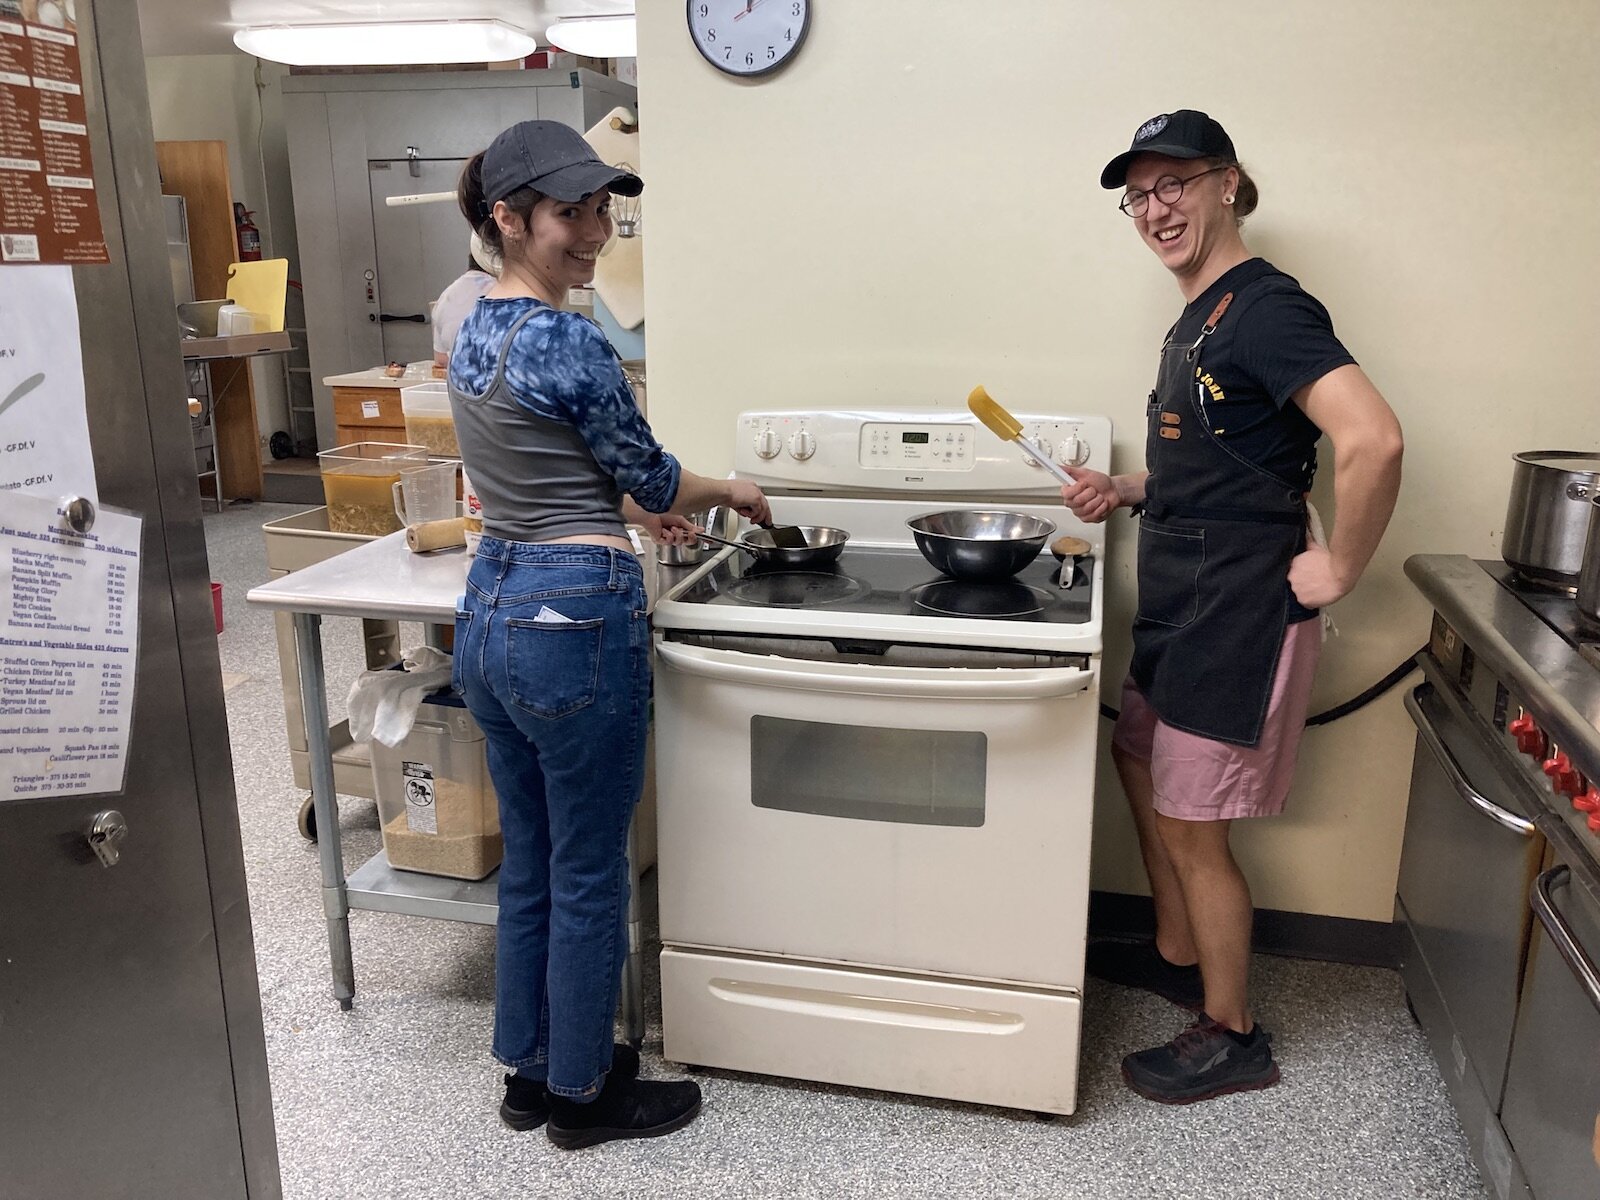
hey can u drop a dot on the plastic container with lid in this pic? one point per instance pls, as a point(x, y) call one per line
point(358, 483)
point(428, 419)
point(435, 802)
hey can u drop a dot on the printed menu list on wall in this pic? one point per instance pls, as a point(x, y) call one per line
point(49, 212)
point(69, 640)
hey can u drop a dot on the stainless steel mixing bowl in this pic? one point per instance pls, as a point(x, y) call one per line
point(980, 543)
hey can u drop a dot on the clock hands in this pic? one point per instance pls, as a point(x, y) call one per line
point(748, 5)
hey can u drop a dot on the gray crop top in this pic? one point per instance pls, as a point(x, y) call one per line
point(549, 430)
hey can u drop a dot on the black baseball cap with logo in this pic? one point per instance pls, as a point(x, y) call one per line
point(1182, 134)
point(553, 160)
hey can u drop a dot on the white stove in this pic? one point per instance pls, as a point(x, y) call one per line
point(876, 783)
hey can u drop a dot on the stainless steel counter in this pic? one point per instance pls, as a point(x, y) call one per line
point(383, 580)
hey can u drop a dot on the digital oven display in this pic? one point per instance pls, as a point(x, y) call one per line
point(914, 438)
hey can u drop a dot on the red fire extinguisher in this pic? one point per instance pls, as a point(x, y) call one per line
point(249, 236)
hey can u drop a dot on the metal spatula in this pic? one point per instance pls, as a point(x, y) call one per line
point(785, 537)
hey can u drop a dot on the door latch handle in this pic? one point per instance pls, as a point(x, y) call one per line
point(105, 835)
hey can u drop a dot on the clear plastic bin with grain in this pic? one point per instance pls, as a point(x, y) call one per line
point(358, 484)
point(428, 419)
point(435, 802)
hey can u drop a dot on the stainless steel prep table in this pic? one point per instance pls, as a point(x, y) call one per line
point(384, 581)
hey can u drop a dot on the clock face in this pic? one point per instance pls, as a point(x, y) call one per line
point(748, 37)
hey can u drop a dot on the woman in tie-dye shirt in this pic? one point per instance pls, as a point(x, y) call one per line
point(552, 645)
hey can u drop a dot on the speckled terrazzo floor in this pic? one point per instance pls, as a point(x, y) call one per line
point(397, 1098)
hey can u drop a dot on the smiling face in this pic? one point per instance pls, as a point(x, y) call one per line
point(1197, 231)
point(561, 244)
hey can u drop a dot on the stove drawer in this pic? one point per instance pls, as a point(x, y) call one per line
point(925, 1037)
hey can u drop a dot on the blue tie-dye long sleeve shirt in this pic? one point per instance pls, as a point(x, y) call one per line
point(561, 368)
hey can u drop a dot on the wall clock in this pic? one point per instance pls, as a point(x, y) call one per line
point(748, 37)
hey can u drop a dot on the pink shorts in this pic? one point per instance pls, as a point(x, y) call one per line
point(1201, 779)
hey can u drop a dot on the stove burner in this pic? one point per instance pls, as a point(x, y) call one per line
point(795, 589)
point(965, 598)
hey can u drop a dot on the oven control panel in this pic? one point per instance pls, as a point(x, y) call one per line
point(934, 450)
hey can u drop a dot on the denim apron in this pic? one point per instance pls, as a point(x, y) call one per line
point(1216, 537)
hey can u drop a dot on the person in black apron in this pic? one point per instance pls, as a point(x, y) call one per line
point(1231, 575)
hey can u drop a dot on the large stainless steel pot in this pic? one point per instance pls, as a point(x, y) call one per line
point(1547, 520)
point(1589, 576)
point(973, 544)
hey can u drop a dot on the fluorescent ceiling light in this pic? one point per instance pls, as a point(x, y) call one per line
point(596, 37)
point(390, 43)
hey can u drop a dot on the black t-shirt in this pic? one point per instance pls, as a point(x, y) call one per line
point(1273, 340)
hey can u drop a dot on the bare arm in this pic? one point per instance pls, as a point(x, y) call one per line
point(1367, 448)
point(697, 493)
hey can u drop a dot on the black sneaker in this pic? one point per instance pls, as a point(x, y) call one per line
point(1140, 965)
point(631, 1108)
point(1205, 1060)
point(527, 1107)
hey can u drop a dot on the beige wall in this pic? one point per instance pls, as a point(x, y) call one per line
point(912, 208)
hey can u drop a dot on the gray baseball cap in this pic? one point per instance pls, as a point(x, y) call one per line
point(552, 159)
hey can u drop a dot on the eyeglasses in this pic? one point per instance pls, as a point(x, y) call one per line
point(1169, 190)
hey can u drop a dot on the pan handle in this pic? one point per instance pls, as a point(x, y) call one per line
point(722, 541)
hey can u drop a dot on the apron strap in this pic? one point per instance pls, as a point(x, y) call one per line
point(1210, 326)
point(1263, 516)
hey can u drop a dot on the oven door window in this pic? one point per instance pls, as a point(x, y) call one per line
point(906, 776)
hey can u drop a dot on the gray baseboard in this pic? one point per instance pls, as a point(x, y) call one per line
point(1292, 934)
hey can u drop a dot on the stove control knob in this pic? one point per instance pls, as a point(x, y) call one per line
point(1073, 452)
point(1044, 448)
point(1564, 777)
point(802, 445)
point(1525, 732)
point(1589, 801)
point(768, 444)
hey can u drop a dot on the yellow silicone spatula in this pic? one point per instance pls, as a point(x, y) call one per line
point(1008, 429)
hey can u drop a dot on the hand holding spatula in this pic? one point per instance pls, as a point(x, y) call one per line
point(1008, 429)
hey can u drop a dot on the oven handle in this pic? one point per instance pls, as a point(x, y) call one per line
point(1544, 907)
point(854, 679)
point(1458, 780)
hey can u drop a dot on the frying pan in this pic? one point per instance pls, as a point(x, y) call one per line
point(823, 546)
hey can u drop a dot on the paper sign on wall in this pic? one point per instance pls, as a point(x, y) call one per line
point(44, 424)
point(69, 643)
point(49, 210)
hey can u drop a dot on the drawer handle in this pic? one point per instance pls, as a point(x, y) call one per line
point(1544, 907)
point(847, 1006)
point(1452, 770)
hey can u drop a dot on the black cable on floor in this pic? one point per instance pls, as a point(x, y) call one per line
point(1338, 710)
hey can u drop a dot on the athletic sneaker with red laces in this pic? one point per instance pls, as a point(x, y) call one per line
point(1205, 1060)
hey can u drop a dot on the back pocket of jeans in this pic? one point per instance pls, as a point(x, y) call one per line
point(553, 666)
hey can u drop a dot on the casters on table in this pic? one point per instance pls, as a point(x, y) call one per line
point(308, 821)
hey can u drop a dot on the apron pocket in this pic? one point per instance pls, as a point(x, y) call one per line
point(1170, 559)
point(553, 666)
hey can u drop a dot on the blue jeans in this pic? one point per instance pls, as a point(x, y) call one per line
point(564, 705)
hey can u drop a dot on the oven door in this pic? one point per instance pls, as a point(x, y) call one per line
point(1552, 1104)
point(916, 818)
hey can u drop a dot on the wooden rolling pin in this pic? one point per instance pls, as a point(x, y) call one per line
point(436, 535)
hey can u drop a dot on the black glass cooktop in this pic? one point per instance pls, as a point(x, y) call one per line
point(900, 582)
